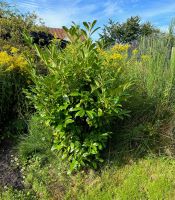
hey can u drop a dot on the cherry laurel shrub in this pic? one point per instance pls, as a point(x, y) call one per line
point(81, 95)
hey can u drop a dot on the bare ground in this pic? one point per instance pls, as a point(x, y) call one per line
point(10, 174)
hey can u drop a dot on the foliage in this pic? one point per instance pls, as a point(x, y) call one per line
point(126, 32)
point(13, 67)
point(43, 173)
point(38, 140)
point(150, 178)
point(13, 24)
point(13, 78)
point(152, 102)
point(10, 194)
point(80, 96)
point(154, 76)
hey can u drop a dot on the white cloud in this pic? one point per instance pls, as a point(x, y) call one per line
point(111, 8)
point(64, 15)
point(57, 18)
point(30, 5)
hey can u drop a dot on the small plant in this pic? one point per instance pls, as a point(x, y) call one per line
point(80, 97)
point(37, 142)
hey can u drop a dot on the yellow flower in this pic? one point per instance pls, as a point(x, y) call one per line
point(120, 47)
point(11, 62)
point(5, 58)
point(116, 56)
point(135, 52)
point(14, 50)
point(145, 57)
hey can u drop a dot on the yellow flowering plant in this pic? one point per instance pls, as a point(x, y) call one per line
point(12, 60)
point(13, 78)
point(116, 56)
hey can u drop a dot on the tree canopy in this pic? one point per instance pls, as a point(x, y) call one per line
point(126, 32)
point(13, 23)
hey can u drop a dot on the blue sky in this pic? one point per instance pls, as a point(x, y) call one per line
point(57, 13)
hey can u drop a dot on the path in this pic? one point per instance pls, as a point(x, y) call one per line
point(10, 174)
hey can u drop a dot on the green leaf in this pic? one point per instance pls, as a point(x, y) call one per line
point(72, 145)
point(90, 114)
point(63, 107)
point(92, 47)
point(59, 127)
point(86, 25)
point(94, 164)
point(100, 112)
point(93, 23)
point(56, 147)
point(73, 165)
point(97, 83)
point(68, 121)
point(65, 28)
point(95, 30)
point(80, 113)
point(84, 32)
point(75, 94)
point(75, 109)
point(100, 160)
point(95, 144)
point(64, 156)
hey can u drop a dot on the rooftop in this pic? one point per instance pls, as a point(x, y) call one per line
point(59, 33)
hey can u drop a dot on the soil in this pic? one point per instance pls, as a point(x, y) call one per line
point(10, 174)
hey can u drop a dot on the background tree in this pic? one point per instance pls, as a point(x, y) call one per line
point(126, 32)
point(13, 23)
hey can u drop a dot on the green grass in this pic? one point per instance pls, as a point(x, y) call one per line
point(12, 195)
point(151, 178)
point(37, 142)
point(147, 179)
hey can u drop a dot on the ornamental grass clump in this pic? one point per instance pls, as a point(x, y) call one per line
point(153, 74)
point(152, 69)
point(81, 95)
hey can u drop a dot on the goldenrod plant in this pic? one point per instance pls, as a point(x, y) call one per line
point(13, 78)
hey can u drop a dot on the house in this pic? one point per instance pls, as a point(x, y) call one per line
point(44, 38)
point(59, 33)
